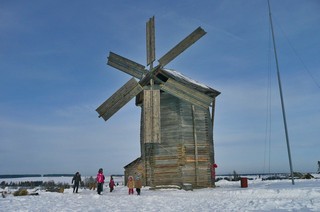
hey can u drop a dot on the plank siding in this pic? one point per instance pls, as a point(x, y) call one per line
point(173, 159)
point(184, 151)
point(151, 116)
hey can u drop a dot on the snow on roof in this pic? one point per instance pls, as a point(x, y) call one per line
point(180, 76)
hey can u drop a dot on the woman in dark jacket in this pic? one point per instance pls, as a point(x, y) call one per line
point(76, 179)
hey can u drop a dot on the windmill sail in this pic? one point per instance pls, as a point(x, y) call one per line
point(128, 66)
point(183, 92)
point(119, 99)
point(150, 41)
point(180, 47)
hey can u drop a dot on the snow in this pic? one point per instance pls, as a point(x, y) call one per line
point(275, 195)
point(181, 76)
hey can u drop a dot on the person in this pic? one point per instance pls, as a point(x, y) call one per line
point(138, 185)
point(100, 181)
point(76, 179)
point(111, 184)
point(130, 184)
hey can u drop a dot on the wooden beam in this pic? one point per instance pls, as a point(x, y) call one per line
point(195, 144)
point(127, 66)
point(180, 47)
point(151, 116)
point(150, 35)
point(119, 99)
point(185, 93)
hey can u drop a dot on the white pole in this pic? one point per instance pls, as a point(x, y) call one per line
point(281, 96)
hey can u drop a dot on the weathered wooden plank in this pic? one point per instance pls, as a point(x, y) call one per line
point(198, 95)
point(183, 45)
point(150, 35)
point(151, 116)
point(200, 159)
point(169, 162)
point(119, 99)
point(163, 157)
point(183, 96)
point(172, 172)
point(183, 92)
point(166, 166)
point(128, 66)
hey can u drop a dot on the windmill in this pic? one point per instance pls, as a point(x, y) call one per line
point(176, 126)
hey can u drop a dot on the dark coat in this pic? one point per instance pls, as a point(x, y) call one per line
point(76, 178)
point(137, 183)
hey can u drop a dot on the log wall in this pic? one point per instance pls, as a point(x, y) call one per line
point(185, 153)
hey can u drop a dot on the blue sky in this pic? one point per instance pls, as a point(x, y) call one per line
point(53, 75)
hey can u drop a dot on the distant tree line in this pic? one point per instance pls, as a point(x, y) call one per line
point(89, 183)
point(19, 175)
point(33, 175)
point(58, 175)
point(32, 184)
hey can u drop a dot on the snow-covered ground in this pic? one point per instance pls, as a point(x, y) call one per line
point(276, 195)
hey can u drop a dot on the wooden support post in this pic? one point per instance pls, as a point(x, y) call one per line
point(195, 144)
point(213, 153)
point(212, 123)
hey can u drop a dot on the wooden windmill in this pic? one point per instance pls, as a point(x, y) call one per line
point(176, 125)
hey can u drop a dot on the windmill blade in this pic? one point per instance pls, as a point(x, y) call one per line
point(150, 35)
point(119, 99)
point(180, 47)
point(185, 93)
point(128, 66)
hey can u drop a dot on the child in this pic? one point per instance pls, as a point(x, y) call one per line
point(138, 185)
point(130, 184)
point(111, 184)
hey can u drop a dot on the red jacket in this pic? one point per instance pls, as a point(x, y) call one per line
point(100, 178)
point(111, 184)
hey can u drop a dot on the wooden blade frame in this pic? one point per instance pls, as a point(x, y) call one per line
point(119, 99)
point(180, 47)
point(185, 93)
point(128, 66)
point(150, 35)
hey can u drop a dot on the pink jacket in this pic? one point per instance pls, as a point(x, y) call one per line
point(100, 178)
point(111, 184)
